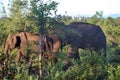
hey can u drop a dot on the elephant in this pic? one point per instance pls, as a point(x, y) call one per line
point(76, 34)
point(81, 35)
point(13, 41)
point(26, 39)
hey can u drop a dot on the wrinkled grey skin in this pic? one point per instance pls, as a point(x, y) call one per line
point(24, 40)
point(81, 35)
point(85, 36)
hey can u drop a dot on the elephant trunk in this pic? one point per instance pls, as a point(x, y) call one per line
point(6, 50)
point(6, 54)
point(7, 45)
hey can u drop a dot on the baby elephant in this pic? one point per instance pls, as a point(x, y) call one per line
point(24, 40)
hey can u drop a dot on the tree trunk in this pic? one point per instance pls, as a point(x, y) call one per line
point(40, 59)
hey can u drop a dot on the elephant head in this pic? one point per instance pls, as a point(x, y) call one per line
point(10, 44)
point(22, 39)
point(14, 41)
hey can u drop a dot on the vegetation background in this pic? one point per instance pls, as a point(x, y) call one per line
point(28, 16)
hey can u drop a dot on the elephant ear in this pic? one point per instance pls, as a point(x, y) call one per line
point(48, 42)
point(44, 38)
point(44, 44)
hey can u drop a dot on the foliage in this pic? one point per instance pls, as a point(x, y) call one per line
point(90, 66)
point(18, 12)
point(97, 18)
point(40, 14)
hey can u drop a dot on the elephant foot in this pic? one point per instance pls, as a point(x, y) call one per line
point(55, 60)
point(51, 57)
point(67, 65)
point(5, 62)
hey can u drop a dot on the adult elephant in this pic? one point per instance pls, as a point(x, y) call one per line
point(81, 35)
point(24, 40)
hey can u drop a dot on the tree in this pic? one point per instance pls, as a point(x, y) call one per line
point(97, 18)
point(110, 22)
point(18, 12)
point(2, 10)
point(40, 14)
point(117, 20)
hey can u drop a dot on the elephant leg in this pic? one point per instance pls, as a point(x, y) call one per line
point(54, 58)
point(25, 55)
point(18, 56)
point(56, 46)
point(72, 53)
point(51, 56)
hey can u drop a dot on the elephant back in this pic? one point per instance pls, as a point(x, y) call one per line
point(32, 36)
